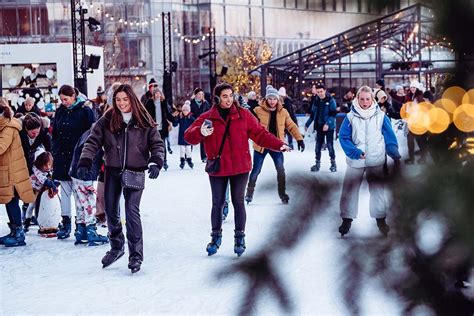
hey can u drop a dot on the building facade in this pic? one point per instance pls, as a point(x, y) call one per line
point(131, 31)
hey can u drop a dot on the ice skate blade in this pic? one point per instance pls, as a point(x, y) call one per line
point(135, 270)
point(81, 242)
point(17, 244)
point(93, 243)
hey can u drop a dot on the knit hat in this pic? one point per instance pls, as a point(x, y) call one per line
point(100, 91)
point(186, 106)
point(380, 82)
point(398, 87)
point(152, 81)
point(39, 151)
point(379, 94)
point(282, 92)
point(415, 84)
point(271, 92)
point(251, 94)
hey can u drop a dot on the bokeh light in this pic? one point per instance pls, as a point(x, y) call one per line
point(438, 120)
point(446, 104)
point(418, 120)
point(454, 94)
point(468, 97)
point(464, 118)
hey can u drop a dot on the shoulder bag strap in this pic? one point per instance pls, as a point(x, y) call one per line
point(223, 139)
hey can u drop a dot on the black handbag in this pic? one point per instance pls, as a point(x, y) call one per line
point(214, 165)
point(134, 180)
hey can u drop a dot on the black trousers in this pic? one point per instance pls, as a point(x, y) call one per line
point(162, 135)
point(237, 192)
point(112, 192)
point(421, 140)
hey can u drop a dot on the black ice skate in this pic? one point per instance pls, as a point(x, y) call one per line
point(111, 256)
point(333, 167)
point(181, 163)
point(134, 264)
point(316, 167)
point(239, 242)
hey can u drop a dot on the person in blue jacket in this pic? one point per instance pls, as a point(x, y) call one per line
point(72, 119)
point(366, 136)
point(323, 114)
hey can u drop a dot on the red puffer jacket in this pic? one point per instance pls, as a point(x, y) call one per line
point(235, 158)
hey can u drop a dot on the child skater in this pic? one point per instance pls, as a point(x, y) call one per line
point(41, 180)
point(366, 136)
point(184, 119)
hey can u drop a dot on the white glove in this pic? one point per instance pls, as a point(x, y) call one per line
point(205, 131)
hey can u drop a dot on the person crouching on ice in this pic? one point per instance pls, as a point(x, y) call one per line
point(225, 130)
point(274, 118)
point(366, 136)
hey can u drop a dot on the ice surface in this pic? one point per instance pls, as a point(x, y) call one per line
point(51, 276)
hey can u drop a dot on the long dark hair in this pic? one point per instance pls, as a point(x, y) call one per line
point(218, 90)
point(139, 114)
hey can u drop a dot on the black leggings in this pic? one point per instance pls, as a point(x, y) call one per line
point(237, 192)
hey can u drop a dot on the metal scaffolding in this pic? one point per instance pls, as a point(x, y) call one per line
point(399, 45)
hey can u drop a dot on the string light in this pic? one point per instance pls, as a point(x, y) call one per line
point(189, 39)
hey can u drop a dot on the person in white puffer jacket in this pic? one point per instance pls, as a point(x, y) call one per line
point(366, 136)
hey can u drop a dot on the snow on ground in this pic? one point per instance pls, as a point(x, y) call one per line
point(50, 276)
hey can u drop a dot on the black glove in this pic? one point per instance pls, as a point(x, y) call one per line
point(301, 145)
point(153, 172)
point(50, 184)
point(83, 173)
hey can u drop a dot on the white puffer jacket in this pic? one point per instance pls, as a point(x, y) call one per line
point(367, 136)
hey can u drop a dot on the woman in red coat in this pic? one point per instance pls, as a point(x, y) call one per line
point(235, 161)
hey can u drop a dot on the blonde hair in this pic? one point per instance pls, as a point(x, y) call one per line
point(366, 89)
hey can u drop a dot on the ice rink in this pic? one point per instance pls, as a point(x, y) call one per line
point(50, 276)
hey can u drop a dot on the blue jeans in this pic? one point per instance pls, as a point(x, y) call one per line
point(258, 159)
point(320, 135)
point(13, 211)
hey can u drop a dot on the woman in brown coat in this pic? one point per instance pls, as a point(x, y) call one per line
point(15, 183)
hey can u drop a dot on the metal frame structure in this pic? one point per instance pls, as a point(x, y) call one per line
point(79, 45)
point(406, 34)
point(167, 57)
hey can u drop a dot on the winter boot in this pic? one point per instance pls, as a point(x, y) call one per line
point(239, 242)
point(80, 234)
point(190, 162)
point(93, 238)
point(216, 241)
point(26, 224)
point(17, 237)
point(316, 167)
point(249, 194)
point(225, 210)
point(165, 165)
point(134, 264)
point(333, 167)
point(346, 226)
point(64, 228)
point(382, 225)
point(111, 256)
point(10, 234)
point(282, 187)
point(181, 164)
